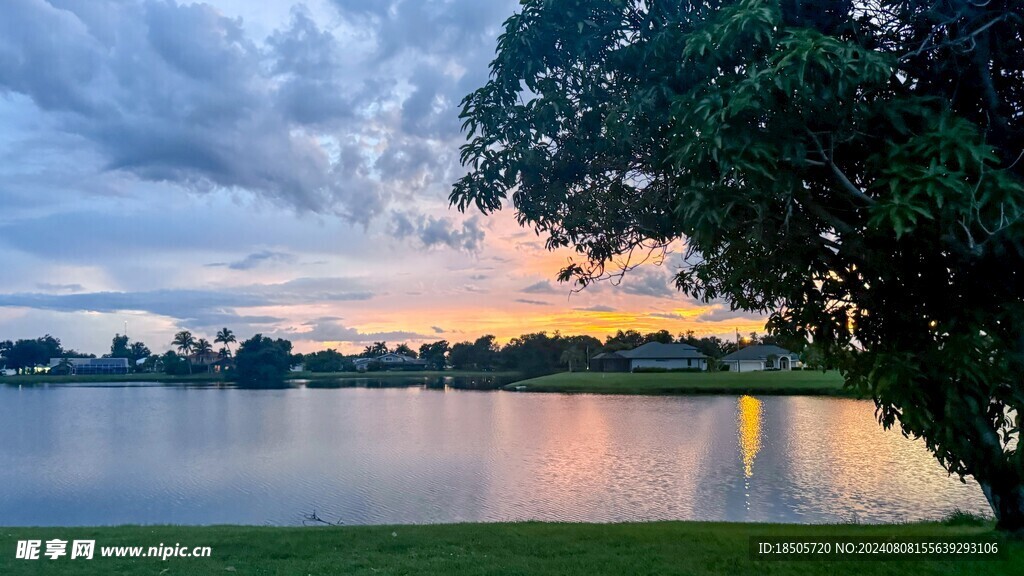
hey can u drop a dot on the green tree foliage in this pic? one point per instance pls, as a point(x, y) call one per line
point(623, 341)
point(434, 354)
point(324, 361)
point(227, 338)
point(711, 346)
point(134, 351)
point(185, 342)
point(261, 361)
point(202, 347)
point(377, 349)
point(24, 355)
point(174, 365)
point(538, 353)
point(533, 354)
point(852, 169)
point(662, 336)
point(404, 350)
point(479, 355)
point(137, 351)
point(119, 347)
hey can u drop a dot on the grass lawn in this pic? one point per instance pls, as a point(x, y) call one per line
point(782, 382)
point(534, 549)
point(30, 379)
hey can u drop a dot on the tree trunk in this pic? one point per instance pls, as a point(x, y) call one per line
point(1007, 501)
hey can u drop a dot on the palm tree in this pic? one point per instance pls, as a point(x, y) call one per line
point(65, 366)
point(185, 343)
point(203, 350)
point(226, 337)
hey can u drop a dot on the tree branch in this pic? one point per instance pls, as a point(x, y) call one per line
point(845, 182)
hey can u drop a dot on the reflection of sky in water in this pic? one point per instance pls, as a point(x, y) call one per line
point(201, 456)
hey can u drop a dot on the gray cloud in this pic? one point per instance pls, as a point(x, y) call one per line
point(193, 307)
point(437, 329)
point(439, 231)
point(328, 330)
point(541, 287)
point(666, 315)
point(719, 313)
point(341, 120)
point(257, 258)
point(649, 281)
point(198, 308)
point(533, 302)
point(597, 308)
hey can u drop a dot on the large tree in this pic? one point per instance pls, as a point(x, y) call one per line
point(433, 353)
point(261, 361)
point(853, 169)
point(185, 342)
point(226, 337)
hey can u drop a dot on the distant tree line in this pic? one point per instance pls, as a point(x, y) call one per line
point(261, 358)
point(534, 353)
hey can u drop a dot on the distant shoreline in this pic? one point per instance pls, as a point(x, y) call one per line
point(778, 383)
point(33, 379)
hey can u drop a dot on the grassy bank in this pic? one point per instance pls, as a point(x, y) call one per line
point(31, 379)
point(788, 382)
point(534, 549)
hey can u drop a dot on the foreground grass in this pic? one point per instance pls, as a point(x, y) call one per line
point(32, 379)
point(535, 549)
point(783, 382)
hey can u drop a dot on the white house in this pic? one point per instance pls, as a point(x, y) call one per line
point(91, 365)
point(761, 357)
point(651, 355)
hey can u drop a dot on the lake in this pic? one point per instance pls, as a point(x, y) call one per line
point(94, 455)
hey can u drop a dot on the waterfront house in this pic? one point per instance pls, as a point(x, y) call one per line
point(390, 361)
point(675, 356)
point(82, 366)
point(761, 357)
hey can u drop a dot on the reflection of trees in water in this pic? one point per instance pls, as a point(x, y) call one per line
point(748, 422)
point(429, 382)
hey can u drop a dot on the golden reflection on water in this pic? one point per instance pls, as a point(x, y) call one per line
point(748, 422)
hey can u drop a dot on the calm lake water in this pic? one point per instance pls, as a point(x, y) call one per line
point(163, 454)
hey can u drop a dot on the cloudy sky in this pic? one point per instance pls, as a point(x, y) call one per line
point(273, 167)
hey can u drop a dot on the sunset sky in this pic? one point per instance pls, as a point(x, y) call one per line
point(271, 167)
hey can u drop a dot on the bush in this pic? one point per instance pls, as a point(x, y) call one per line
point(960, 518)
point(659, 370)
point(175, 365)
point(324, 361)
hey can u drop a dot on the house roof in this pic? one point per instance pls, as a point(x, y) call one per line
point(90, 361)
point(403, 357)
point(758, 352)
point(659, 351)
point(608, 356)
